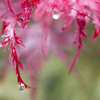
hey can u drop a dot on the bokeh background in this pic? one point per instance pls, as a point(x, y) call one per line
point(54, 81)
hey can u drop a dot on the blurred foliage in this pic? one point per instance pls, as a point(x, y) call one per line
point(57, 84)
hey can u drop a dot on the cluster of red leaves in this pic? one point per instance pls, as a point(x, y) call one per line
point(15, 13)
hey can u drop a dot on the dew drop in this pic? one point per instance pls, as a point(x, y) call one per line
point(56, 14)
point(22, 87)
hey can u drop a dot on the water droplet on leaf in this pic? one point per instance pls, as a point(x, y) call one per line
point(56, 14)
point(22, 87)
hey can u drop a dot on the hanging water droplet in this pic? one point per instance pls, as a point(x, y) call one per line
point(56, 14)
point(22, 87)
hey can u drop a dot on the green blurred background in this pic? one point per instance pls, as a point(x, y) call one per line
point(54, 82)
